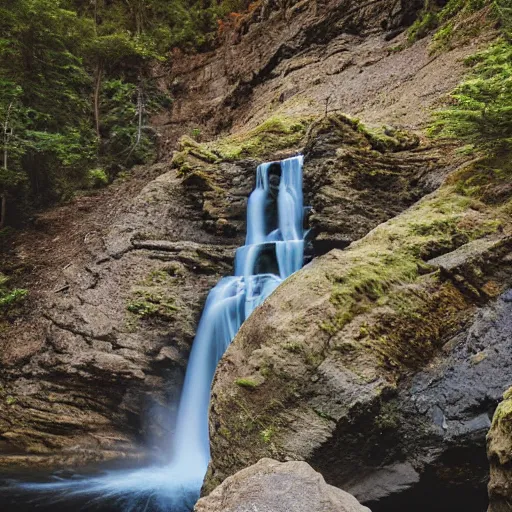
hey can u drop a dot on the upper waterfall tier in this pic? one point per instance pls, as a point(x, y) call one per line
point(275, 222)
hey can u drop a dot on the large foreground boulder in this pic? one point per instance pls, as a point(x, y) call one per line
point(499, 448)
point(271, 486)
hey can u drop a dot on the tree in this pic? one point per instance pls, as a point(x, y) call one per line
point(481, 112)
point(75, 86)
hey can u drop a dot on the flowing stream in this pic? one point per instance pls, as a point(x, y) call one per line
point(274, 250)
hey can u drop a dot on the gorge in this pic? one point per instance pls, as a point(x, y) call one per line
point(377, 368)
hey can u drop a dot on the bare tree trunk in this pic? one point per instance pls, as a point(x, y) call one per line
point(3, 208)
point(140, 109)
point(7, 135)
point(96, 100)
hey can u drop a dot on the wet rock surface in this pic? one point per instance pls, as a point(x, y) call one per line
point(390, 396)
point(355, 181)
point(271, 486)
point(112, 344)
point(440, 420)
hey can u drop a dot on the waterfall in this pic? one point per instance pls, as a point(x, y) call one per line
point(274, 250)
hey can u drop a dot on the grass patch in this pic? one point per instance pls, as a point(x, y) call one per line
point(267, 434)
point(9, 297)
point(151, 304)
point(246, 383)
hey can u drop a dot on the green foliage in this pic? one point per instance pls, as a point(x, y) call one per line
point(97, 178)
point(42, 99)
point(422, 26)
point(126, 138)
point(481, 113)
point(76, 89)
point(433, 16)
point(9, 297)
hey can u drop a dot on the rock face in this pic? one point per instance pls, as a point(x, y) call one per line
point(431, 434)
point(124, 319)
point(499, 449)
point(380, 365)
point(271, 486)
point(109, 350)
point(312, 57)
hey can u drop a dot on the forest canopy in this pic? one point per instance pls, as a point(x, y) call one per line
point(76, 88)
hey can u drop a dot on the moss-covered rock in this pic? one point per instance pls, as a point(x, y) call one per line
point(344, 159)
point(499, 449)
point(359, 322)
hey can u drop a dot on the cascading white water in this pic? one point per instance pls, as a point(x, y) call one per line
point(274, 250)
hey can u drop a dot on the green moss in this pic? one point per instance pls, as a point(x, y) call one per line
point(324, 415)
point(224, 432)
point(293, 347)
point(450, 20)
point(10, 400)
point(246, 383)
point(395, 252)
point(267, 434)
point(388, 417)
point(387, 138)
point(503, 415)
point(277, 133)
point(165, 275)
point(189, 146)
point(426, 22)
point(152, 304)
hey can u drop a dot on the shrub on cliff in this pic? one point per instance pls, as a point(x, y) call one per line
point(445, 15)
point(481, 112)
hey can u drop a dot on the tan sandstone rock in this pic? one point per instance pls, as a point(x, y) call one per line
point(271, 486)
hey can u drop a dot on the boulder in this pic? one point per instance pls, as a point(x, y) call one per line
point(271, 486)
point(380, 365)
point(499, 449)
